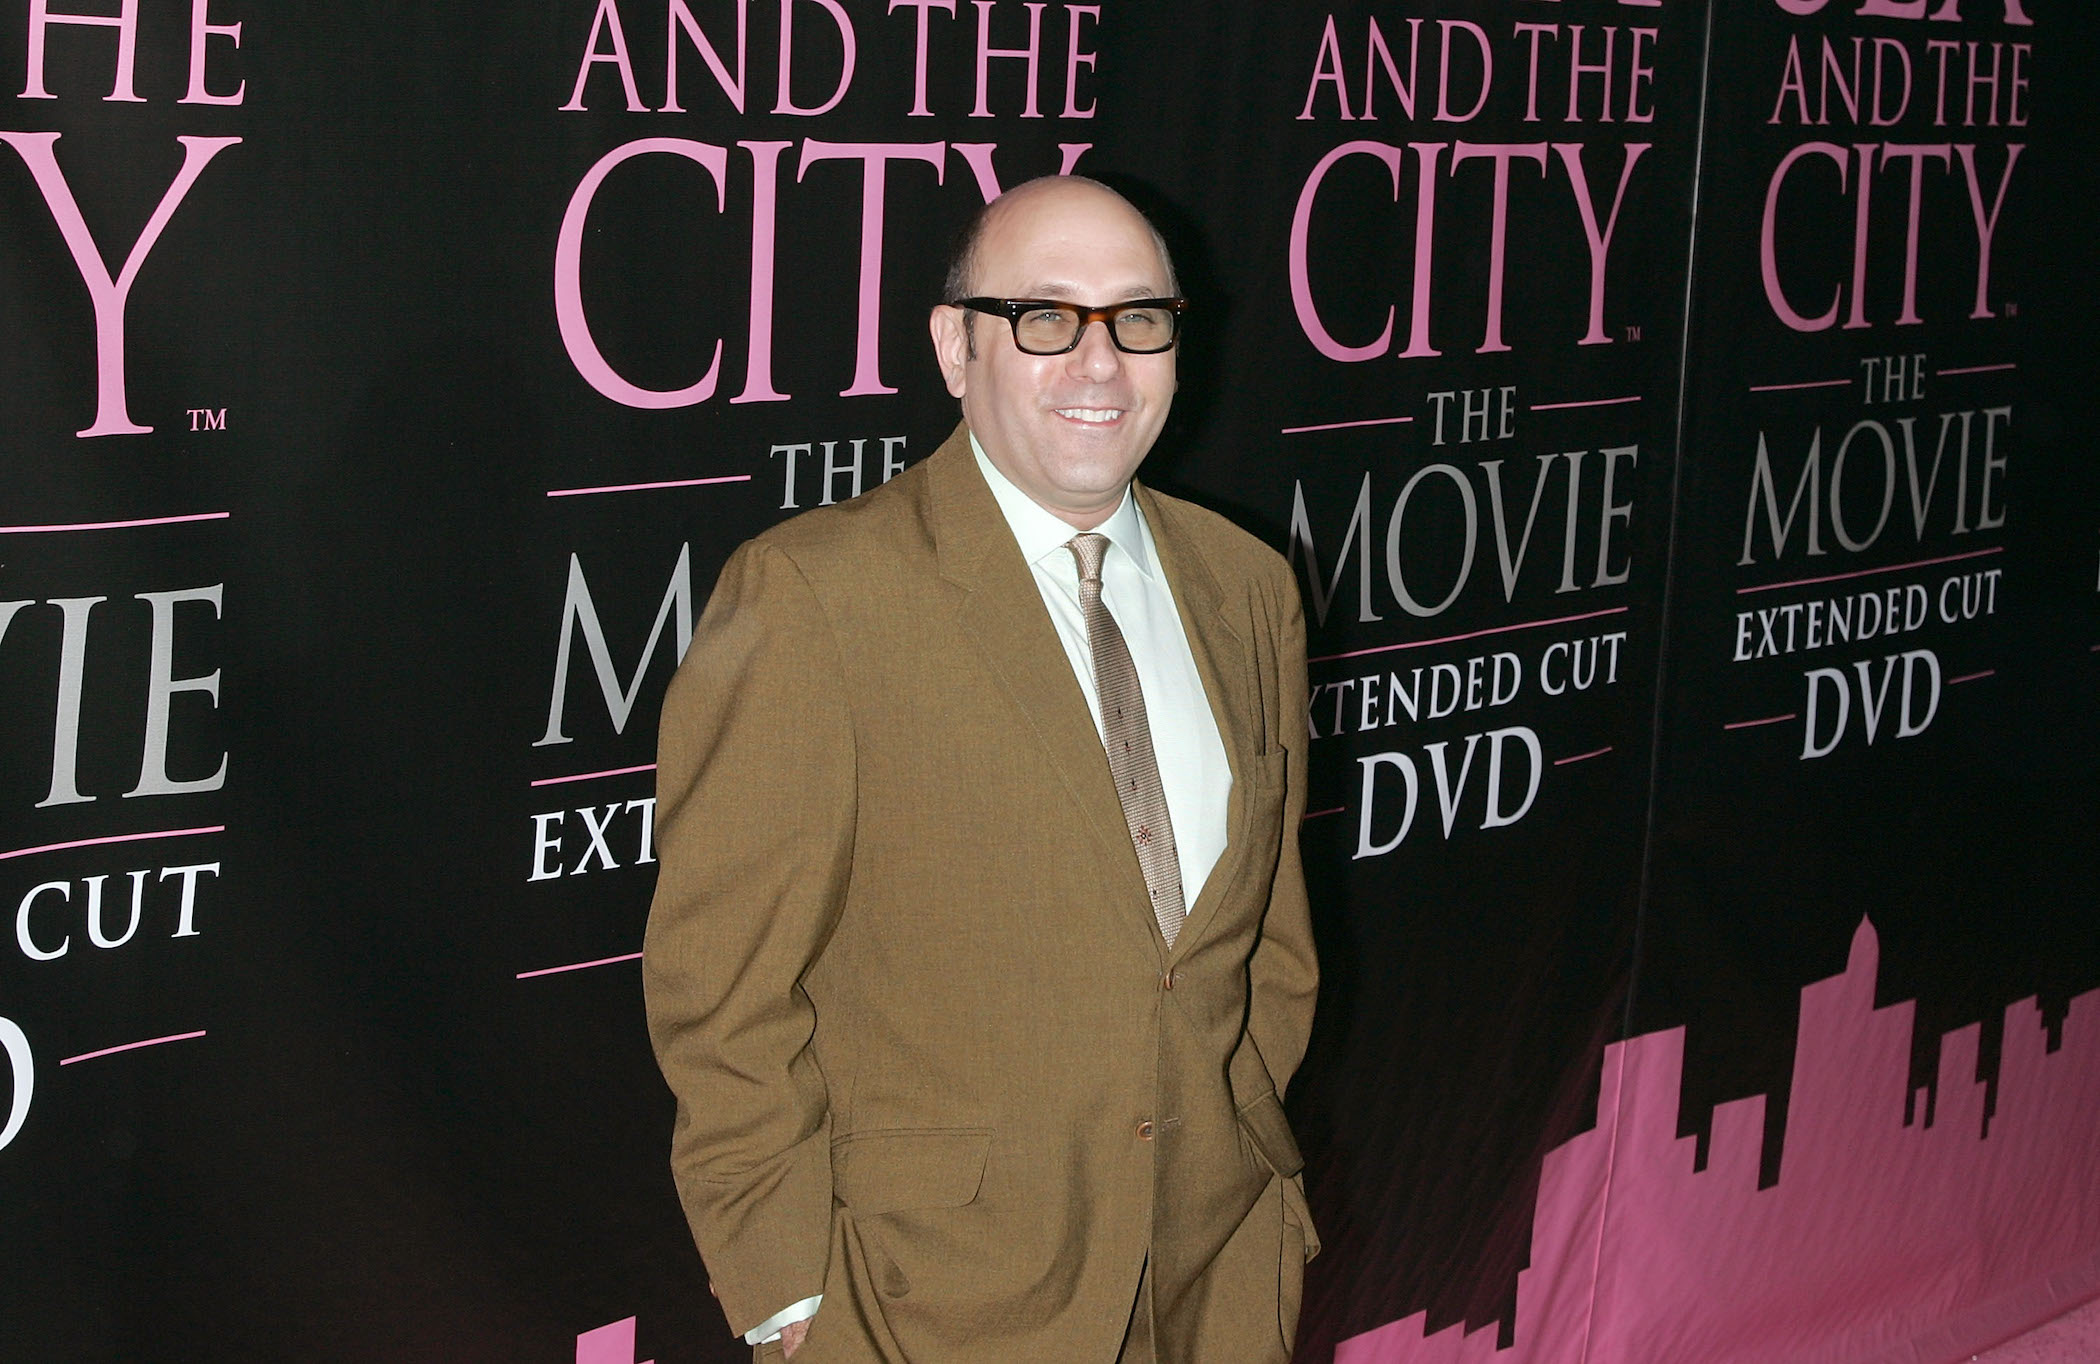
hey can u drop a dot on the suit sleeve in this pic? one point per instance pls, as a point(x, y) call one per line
point(1284, 975)
point(755, 818)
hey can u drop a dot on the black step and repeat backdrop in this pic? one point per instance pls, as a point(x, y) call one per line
point(1678, 413)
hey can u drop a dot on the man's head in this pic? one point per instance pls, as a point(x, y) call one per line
point(1069, 430)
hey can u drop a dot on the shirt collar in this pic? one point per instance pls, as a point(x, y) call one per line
point(1043, 535)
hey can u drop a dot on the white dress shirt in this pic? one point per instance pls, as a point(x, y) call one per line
point(1193, 771)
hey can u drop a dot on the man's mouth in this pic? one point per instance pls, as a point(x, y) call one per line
point(1090, 414)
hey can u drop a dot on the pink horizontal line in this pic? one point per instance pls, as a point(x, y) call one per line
point(1343, 426)
point(1315, 814)
point(1870, 572)
point(579, 966)
point(646, 487)
point(112, 838)
point(1976, 369)
point(1471, 634)
point(1789, 388)
point(1768, 720)
point(1598, 753)
point(1592, 402)
point(131, 1046)
point(115, 525)
point(589, 776)
point(1971, 677)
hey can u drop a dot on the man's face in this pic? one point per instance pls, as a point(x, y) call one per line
point(1069, 430)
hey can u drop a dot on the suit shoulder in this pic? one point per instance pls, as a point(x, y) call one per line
point(847, 539)
point(1223, 542)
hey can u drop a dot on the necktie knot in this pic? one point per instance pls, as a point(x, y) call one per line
point(1088, 548)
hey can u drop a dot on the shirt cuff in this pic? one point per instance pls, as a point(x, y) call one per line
point(769, 1330)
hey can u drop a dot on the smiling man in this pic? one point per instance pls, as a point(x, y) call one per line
point(980, 955)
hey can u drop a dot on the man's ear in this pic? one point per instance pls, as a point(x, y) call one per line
point(951, 344)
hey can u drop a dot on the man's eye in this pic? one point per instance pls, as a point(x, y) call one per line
point(1044, 317)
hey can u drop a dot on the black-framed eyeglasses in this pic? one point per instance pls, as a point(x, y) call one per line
point(1048, 326)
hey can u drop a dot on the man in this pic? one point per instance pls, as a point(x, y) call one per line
point(978, 994)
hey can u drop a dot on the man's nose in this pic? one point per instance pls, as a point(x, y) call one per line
point(1095, 357)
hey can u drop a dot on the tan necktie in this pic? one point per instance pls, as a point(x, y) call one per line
point(1128, 739)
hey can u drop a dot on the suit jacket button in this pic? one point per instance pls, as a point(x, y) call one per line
point(1166, 982)
point(1144, 1130)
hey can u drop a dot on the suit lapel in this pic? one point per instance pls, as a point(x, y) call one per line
point(1225, 662)
point(1001, 610)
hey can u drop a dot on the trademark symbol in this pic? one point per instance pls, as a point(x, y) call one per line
point(2012, 310)
point(207, 418)
point(1633, 331)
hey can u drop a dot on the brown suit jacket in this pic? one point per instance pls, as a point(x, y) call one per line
point(932, 1057)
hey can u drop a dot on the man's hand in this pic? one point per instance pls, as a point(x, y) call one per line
point(791, 1337)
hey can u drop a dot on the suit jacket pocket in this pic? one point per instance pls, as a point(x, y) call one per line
point(890, 1170)
point(1258, 835)
point(1271, 1133)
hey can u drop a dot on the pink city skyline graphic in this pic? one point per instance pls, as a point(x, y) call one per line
point(609, 1344)
point(1904, 1228)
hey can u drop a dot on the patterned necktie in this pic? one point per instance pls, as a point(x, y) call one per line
point(1128, 739)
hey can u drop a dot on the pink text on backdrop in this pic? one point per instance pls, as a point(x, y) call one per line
point(1597, 231)
point(875, 159)
point(1949, 11)
point(839, 44)
point(1604, 72)
point(1856, 177)
point(1610, 71)
point(123, 84)
point(109, 294)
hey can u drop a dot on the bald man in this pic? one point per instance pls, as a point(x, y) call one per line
point(980, 955)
